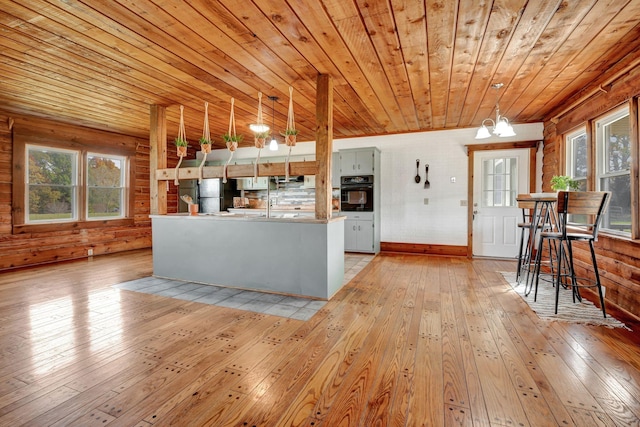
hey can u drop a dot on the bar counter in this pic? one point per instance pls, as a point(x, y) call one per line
point(294, 256)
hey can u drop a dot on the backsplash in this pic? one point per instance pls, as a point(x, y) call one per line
point(287, 195)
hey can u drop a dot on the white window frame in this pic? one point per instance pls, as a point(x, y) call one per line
point(600, 158)
point(80, 208)
point(122, 187)
point(570, 145)
point(75, 179)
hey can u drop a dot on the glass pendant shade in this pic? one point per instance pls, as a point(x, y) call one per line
point(258, 128)
point(501, 127)
point(273, 145)
point(483, 132)
point(508, 131)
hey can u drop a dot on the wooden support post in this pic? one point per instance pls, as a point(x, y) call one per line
point(158, 159)
point(324, 145)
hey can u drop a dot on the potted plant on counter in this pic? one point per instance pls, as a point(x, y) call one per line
point(564, 183)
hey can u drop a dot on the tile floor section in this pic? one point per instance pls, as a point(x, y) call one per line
point(278, 305)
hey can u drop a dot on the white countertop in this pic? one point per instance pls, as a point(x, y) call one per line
point(251, 217)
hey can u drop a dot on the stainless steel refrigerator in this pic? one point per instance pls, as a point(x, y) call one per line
point(187, 187)
point(214, 196)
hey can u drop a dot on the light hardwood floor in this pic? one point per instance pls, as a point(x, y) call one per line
point(412, 340)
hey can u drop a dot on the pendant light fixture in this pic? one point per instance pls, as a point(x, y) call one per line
point(273, 145)
point(500, 126)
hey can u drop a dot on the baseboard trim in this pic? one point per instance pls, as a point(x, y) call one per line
point(421, 248)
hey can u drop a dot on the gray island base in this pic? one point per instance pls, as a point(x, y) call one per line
point(292, 256)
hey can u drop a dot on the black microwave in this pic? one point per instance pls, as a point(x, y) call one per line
point(356, 193)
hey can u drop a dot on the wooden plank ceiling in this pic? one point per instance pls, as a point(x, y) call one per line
point(397, 65)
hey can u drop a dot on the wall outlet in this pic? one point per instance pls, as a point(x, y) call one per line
point(90, 252)
point(463, 203)
point(453, 179)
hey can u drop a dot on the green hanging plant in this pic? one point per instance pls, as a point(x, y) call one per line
point(181, 142)
point(232, 138)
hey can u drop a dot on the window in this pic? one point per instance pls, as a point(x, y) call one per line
point(105, 186)
point(68, 185)
point(577, 160)
point(499, 182)
point(613, 162)
point(52, 190)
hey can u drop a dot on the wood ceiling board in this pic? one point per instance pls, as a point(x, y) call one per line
point(564, 21)
point(571, 49)
point(588, 63)
point(533, 20)
point(396, 66)
point(313, 16)
point(411, 31)
point(441, 25)
point(471, 20)
point(498, 32)
point(292, 34)
point(380, 25)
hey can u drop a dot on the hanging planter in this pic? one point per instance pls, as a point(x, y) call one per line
point(260, 136)
point(205, 140)
point(205, 146)
point(231, 139)
point(290, 133)
point(181, 145)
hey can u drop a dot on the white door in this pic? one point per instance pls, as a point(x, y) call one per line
point(499, 176)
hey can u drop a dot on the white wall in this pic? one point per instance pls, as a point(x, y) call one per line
point(404, 217)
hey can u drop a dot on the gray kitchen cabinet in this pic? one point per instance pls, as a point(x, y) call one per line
point(357, 162)
point(309, 181)
point(248, 184)
point(358, 235)
point(335, 170)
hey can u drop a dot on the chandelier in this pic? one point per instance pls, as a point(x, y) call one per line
point(500, 126)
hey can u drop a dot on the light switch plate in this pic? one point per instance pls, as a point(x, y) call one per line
point(426, 201)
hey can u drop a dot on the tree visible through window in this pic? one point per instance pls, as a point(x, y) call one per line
point(577, 161)
point(613, 167)
point(105, 190)
point(54, 177)
point(51, 184)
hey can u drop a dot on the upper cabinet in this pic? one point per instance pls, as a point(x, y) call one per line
point(261, 183)
point(357, 162)
point(335, 170)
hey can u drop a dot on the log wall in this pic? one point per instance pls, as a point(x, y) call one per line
point(31, 248)
point(618, 258)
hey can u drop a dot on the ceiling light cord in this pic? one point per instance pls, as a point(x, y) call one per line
point(273, 145)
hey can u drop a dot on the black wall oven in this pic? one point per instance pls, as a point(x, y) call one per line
point(356, 193)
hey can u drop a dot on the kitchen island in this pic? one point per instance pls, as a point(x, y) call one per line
point(293, 256)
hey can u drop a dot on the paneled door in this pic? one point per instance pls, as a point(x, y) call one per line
point(498, 178)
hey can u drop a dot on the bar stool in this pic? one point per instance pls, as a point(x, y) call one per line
point(527, 204)
point(579, 214)
point(541, 216)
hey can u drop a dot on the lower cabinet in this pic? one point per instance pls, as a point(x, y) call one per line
point(359, 232)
